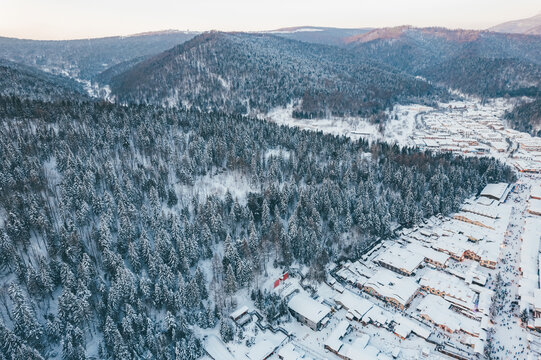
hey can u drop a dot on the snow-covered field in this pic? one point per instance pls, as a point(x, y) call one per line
point(352, 127)
point(402, 123)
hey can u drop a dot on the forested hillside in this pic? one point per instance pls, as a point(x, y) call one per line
point(487, 77)
point(477, 62)
point(86, 58)
point(526, 117)
point(244, 73)
point(412, 49)
point(107, 75)
point(26, 82)
point(111, 247)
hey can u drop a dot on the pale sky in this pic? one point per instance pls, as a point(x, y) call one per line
point(70, 19)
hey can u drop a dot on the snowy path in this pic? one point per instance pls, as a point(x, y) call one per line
point(510, 338)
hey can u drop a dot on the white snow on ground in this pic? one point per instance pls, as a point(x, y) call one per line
point(353, 127)
point(51, 172)
point(218, 184)
point(396, 130)
point(400, 129)
point(277, 153)
point(217, 349)
point(510, 338)
point(3, 217)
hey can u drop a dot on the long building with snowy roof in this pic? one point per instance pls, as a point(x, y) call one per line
point(536, 192)
point(397, 290)
point(308, 311)
point(449, 287)
point(436, 310)
point(400, 259)
point(430, 255)
point(495, 191)
point(529, 263)
point(354, 304)
point(534, 207)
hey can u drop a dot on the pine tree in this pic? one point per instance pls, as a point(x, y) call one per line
point(265, 217)
point(230, 280)
point(172, 198)
point(200, 280)
point(26, 325)
point(226, 330)
point(7, 250)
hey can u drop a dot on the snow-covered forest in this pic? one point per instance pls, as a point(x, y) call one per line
point(109, 248)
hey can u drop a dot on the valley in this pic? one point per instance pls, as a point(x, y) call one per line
point(302, 193)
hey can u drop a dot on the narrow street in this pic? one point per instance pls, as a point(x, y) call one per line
point(510, 338)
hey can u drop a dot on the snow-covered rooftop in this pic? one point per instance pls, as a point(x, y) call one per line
point(217, 349)
point(450, 286)
point(239, 312)
point(288, 352)
point(536, 192)
point(400, 258)
point(428, 253)
point(481, 209)
point(437, 309)
point(389, 284)
point(495, 191)
point(334, 341)
point(378, 316)
point(357, 305)
point(309, 308)
point(535, 206)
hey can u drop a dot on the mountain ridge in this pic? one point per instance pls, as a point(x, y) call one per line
point(531, 25)
point(265, 71)
point(31, 83)
point(85, 58)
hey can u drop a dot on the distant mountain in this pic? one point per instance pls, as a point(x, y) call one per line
point(534, 31)
point(318, 35)
point(239, 72)
point(86, 58)
point(411, 49)
point(26, 82)
point(487, 77)
point(404, 31)
point(499, 63)
point(530, 26)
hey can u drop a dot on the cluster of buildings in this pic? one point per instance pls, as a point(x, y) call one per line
point(477, 231)
point(434, 273)
point(527, 154)
point(429, 285)
point(436, 310)
point(471, 129)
